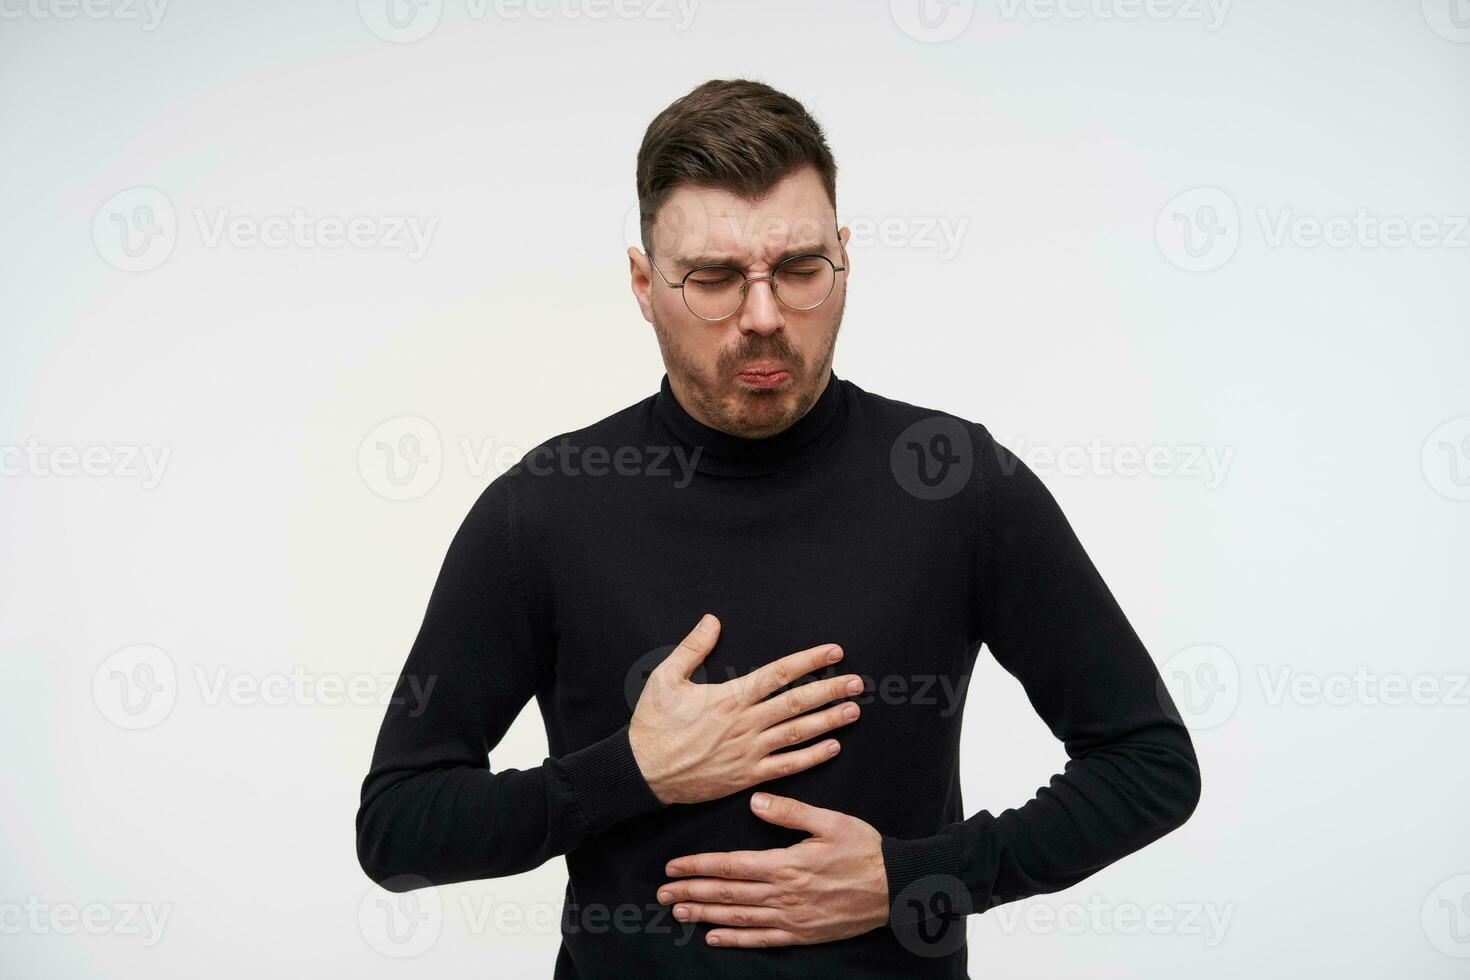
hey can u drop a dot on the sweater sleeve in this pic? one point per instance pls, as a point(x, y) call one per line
point(431, 811)
point(1052, 623)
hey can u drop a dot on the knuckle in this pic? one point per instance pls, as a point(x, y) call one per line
point(781, 673)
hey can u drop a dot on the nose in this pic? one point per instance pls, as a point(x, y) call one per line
point(761, 311)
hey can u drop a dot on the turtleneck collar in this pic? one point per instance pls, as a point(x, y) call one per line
point(723, 454)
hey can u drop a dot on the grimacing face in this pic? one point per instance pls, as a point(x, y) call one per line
point(755, 373)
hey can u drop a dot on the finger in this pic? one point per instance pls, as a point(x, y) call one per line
point(692, 650)
point(753, 938)
point(778, 673)
point(722, 890)
point(803, 727)
point(779, 764)
point(783, 811)
point(746, 865)
point(803, 697)
point(729, 915)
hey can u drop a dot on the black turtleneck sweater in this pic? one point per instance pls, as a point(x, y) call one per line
point(908, 536)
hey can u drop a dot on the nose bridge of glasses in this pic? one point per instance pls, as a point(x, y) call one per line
point(770, 280)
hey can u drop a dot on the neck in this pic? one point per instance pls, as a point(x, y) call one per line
point(727, 454)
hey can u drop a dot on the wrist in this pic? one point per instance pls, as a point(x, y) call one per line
point(647, 765)
point(607, 781)
point(907, 861)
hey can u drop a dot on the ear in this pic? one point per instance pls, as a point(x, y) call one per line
point(640, 276)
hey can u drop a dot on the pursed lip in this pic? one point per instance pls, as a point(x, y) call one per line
point(763, 367)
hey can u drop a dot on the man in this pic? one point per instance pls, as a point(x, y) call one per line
point(785, 778)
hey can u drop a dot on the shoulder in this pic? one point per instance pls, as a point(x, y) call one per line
point(896, 415)
point(918, 436)
point(552, 473)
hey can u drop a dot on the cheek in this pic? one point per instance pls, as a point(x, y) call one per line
point(810, 337)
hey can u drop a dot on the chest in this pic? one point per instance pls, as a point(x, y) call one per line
point(893, 585)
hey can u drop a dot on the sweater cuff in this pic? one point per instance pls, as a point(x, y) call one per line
point(609, 785)
point(907, 861)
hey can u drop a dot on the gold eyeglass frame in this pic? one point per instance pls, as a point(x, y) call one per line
point(745, 286)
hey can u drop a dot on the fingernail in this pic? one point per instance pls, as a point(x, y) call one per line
point(855, 686)
point(680, 912)
point(665, 896)
point(760, 801)
point(706, 623)
point(674, 869)
point(714, 939)
point(831, 748)
point(850, 712)
point(834, 655)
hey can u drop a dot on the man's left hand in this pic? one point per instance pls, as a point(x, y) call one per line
point(830, 886)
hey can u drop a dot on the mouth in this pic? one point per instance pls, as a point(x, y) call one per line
point(763, 375)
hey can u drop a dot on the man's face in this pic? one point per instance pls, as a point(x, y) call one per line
point(755, 373)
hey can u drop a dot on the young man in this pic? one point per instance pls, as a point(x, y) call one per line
point(778, 794)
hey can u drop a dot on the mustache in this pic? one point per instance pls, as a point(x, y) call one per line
point(767, 349)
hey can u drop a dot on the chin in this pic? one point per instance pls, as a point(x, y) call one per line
point(763, 413)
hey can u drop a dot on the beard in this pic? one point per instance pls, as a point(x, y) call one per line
point(722, 402)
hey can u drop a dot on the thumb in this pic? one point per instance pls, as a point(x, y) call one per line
point(692, 650)
point(786, 812)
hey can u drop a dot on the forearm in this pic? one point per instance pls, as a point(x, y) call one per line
point(1106, 804)
point(440, 825)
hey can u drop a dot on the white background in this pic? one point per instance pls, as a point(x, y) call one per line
point(1067, 150)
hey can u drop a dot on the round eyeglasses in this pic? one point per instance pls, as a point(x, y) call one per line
point(716, 292)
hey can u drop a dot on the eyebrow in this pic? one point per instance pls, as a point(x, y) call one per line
point(806, 248)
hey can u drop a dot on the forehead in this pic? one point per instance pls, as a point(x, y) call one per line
point(699, 222)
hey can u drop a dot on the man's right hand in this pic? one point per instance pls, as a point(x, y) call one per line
point(696, 742)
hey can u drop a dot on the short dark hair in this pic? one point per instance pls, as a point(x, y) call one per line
point(735, 135)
